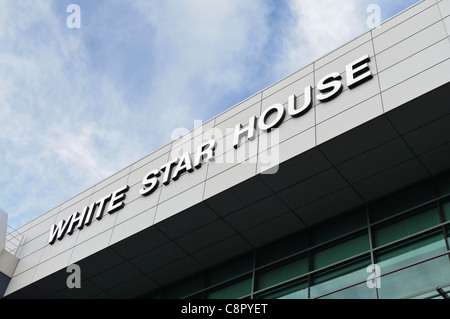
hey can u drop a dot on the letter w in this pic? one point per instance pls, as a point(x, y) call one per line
point(58, 231)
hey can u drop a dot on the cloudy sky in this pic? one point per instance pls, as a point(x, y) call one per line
point(79, 104)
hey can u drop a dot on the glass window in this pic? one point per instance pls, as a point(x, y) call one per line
point(360, 291)
point(339, 226)
point(282, 249)
point(420, 277)
point(297, 290)
point(411, 251)
point(444, 185)
point(341, 250)
point(406, 226)
point(341, 276)
point(233, 291)
point(403, 201)
point(282, 273)
point(230, 270)
point(446, 210)
point(185, 288)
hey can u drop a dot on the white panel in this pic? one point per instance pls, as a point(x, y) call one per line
point(409, 46)
point(139, 173)
point(152, 156)
point(447, 25)
point(230, 177)
point(338, 65)
point(233, 157)
point(224, 140)
point(31, 245)
point(133, 225)
point(191, 141)
point(113, 178)
point(281, 96)
point(86, 194)
point(20, 281)
point(416, 86)
point(291, 126)
point(49, 215)
point(415, 64)
point(240, 118)
point(444, 6)
point(269, 159)
point(51, 266)
point(403, 17)
point(179, 203)
point(186, 181)
point(97, 227)
point(287, 81)
point(90, 246)
point(238, 108)
point(28, 262)
point(349, 119)
point(36, 237)
point(138, 204)
point(347, 99)
point(405, 29)
point(343, 50)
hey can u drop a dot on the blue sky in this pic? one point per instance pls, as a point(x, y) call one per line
point(77, 105)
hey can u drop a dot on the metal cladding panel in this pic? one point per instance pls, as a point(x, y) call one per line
point(304, 169)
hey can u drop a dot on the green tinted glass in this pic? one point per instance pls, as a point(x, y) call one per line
point(297, 290)
point(185, 288)
point(341, 276)
point(446, 210)
point(340, 226)
point(403, 201)
point(361, 291)
point(443, 184)
point(340, 251)
point(411, 280)
point(233, 291)
point(406, 226)
point(282, 249)
point(282, 273)
point(230, 270)
point(411, 251)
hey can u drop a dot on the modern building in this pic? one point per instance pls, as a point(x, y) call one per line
point(331, 183)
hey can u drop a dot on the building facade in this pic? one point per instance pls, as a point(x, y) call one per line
point(331, 183)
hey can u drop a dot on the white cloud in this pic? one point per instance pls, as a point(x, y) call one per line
point(50, 118)
point(78, 105)
point(321, 26)
point(204, 48)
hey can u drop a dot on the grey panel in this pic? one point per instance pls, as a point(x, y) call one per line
point(376, 160)
point(430, 136)
point(299, 168)
point(392, 179)
point(238, 196)
point(257, 213)
point(4, 281)
point(359, 140)
point(187, 221)
point(329, 206)
point(313, 188)
point(273, 229)
point(421, 111)
point(222, 251)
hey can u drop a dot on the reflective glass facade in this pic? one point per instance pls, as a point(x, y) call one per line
point(404, 238)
